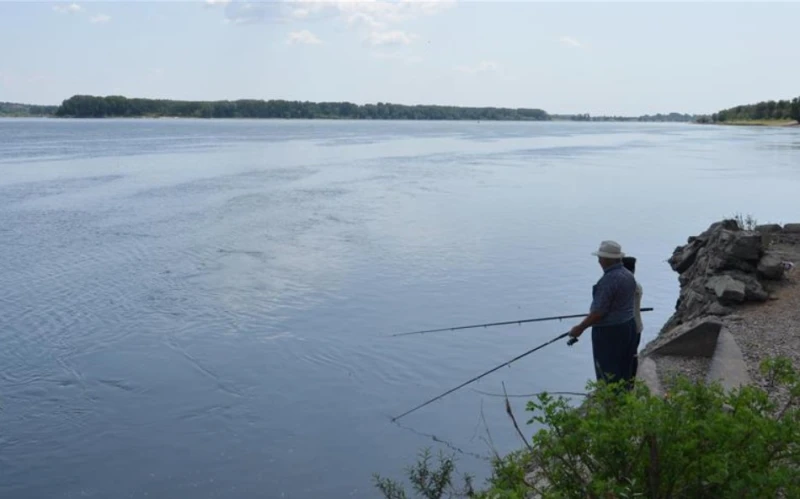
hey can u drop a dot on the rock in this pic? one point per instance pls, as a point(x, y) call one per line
point(727, 288)
point(718, 309)
point(756, 293)
point(747, 246)
point(697, 338)
point(753, 289)
point(684, 257)
point(768, 228)
point(770, 267)
point(690, 304)
point(728, 249)
point(729, 224)
point(727, 261)
point(793, 228)
point(720, 268)
point(718, 248)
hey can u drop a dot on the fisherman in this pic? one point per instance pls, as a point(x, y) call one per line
point(611, 317)
point(629, 263)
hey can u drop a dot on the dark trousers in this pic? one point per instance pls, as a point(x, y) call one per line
point(613, 349)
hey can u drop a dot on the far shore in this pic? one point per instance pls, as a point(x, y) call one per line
point(769, 123)
point(743, 123)
point(198, 118)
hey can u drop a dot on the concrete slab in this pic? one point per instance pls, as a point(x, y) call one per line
point(727, 365)
point(648, 373)
point(697, 338)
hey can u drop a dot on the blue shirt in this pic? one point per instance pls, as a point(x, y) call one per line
point(613, 296)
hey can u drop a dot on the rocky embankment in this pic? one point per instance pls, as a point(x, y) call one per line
point(739, 303)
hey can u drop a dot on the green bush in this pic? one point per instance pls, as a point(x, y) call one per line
point(427, 482)
point(505, 482)
point(698, 442)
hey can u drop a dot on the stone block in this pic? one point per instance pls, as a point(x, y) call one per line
point(684, 257)
point(747, 246)
point(771, 267)
point(727, 289)
point(753, 289)
point(768, 228)
point(718, 309)
point(697, 338)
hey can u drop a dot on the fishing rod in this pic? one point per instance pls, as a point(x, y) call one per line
point(523, 321)
point(490, 371)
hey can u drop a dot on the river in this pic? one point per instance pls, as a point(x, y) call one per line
point(201, 308)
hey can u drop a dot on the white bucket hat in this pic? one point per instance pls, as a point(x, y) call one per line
point(609, 249)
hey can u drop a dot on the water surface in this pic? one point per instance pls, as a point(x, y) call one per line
point(200, 308)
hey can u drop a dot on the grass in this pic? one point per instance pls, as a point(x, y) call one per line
point(759, 122)
point(745, 222)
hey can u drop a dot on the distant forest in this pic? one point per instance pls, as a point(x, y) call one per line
point(86, 106)
point(767, 110)
point(671, 117)
point(10, 109)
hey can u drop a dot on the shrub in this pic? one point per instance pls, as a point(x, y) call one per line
point(699, 441)
point(505, 482)
point(428, 482)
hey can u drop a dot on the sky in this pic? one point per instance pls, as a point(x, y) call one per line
point(602, 58)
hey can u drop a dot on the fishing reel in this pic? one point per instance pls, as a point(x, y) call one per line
point(572, 341)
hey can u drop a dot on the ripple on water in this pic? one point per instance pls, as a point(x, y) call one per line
point(211, 325)
point(19, 193)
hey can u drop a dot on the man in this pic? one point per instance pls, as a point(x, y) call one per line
point(611, 317)
point(629, 263)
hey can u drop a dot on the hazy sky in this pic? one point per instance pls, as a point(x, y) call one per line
point(568, 57)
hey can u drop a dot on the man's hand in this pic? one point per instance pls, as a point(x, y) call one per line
point(590, 320)
point(574, 333)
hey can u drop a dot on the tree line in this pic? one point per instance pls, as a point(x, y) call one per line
point(671, 117)
point(766, 110)
point(11, 109)
point(87, 106)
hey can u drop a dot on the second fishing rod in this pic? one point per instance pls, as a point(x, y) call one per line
point(570, 342)
point(490, 371)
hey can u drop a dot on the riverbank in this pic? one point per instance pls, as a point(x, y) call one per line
point(767, 123)
point(739, 305)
